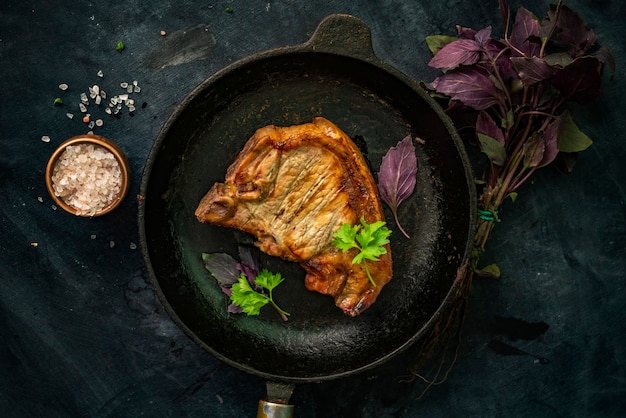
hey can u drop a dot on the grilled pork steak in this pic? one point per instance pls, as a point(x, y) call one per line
point(292, 188)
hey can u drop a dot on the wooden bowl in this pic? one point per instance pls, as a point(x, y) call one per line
point(97, 141)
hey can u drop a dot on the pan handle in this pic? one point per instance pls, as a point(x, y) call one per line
point(343, 34)
point(277, 403)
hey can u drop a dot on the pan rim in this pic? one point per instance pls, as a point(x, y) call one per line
point(306, 48)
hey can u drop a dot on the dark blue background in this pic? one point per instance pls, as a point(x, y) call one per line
point(81, 332)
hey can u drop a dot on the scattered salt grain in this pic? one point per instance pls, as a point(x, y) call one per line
point(99, 122)
point(100, 73)
point(123, 85)
point(45, 138)
point(40, 199)
point(93, 236)
point(111, 244)
point(82, 107)
point(83, 98)
point(70, 115)
point(87, 177)
point(63, 86)
point(133, 246)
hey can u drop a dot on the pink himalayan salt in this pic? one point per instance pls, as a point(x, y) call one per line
point(87, 177)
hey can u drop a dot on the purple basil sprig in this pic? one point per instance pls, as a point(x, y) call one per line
point(227, 270)
point(397, 176)
point(514, 89)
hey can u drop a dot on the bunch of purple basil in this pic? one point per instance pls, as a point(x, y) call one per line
point(514, 89)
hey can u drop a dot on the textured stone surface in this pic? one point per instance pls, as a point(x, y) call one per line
point(81, 331)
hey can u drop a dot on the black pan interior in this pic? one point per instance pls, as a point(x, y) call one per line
point(203, 137)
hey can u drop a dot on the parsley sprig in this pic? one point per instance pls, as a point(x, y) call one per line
point(369, 239)
point(249, 300)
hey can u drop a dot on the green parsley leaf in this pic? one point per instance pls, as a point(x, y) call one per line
point(268, 280)
point(58, 101)
point(120, 46)
point(249, 300)
point(369, 239)
point(246, 298)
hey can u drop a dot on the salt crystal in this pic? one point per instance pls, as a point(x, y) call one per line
point(70, 115)
point(91, 124)
point(63, 86)
point(99, 122)
point(129, 89)
point(98, 100)
point(111, 244)
point(103, 94)
point(96, 89)
point(107, 110)
point(122, 97)
point(93, 236)
point(133, 246)
point(82, 107)
point(83, 98)
point(137, 89)
point(45, 138)
point(100, 73)
point(123, 85)
point(40, 199)
point(135, 82)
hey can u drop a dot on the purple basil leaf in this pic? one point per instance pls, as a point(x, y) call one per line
point(534, 148)
point(487, 126)
point(492, 148)
point(465, 33)
point(559, 59)
point(580, 81)
point(472, 86)
point(549, 139)
point(222, 266)
point(525, 27)
point(482, 36)
point(502, 54)
point(227, 290)
point(606, 58)
point(572, 30)
point(532, 70)
point(249, 256)
point(461, 52)
point(232, 308)
point(398, 175)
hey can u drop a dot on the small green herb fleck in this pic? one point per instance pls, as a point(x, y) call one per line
point(228, 10)
point(58, 101)
point(120, 46)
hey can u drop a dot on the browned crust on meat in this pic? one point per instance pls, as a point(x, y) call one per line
point(292, 188)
